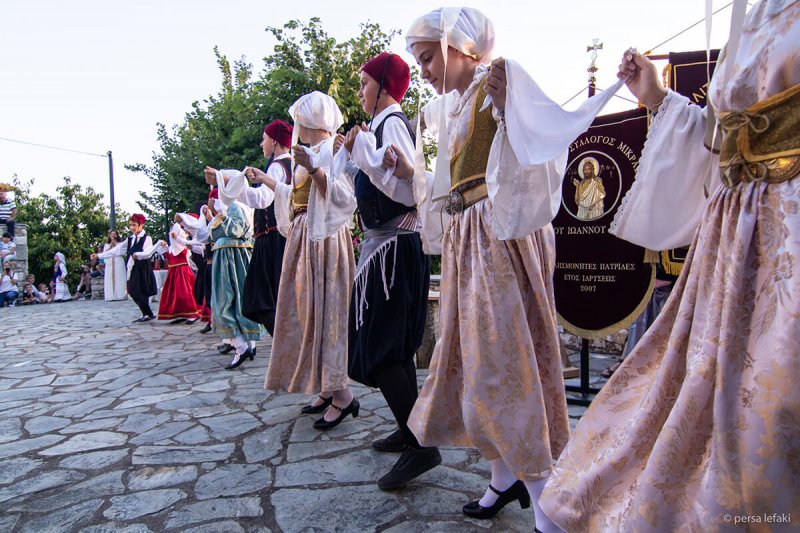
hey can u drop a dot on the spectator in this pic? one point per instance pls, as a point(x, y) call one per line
point(29, 295)
point(43, 294)
point(85, 285)
point(31, 279)
point(8, 250)
point(9, 285)
point(8, 213)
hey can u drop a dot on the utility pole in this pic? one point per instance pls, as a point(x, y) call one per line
point(596, 45)
point(113, 219)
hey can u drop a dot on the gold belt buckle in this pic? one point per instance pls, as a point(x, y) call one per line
point(454, 205)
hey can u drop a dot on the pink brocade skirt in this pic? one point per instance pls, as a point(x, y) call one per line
point(495, 380)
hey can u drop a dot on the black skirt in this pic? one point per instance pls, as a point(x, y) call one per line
point(263, 276)
point(392, 329)
point(199, 279)
point(142, 282)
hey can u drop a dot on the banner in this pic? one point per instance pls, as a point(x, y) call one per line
point(602, 283)
point(687, 74)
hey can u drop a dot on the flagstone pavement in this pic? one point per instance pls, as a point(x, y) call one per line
point(109, 426)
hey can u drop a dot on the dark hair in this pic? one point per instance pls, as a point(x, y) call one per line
point(6, 234)
point(119, 239)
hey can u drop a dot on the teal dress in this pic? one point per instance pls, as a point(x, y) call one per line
point(233, 244)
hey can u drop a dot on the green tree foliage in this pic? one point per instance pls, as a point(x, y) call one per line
point(75, 222)
point(224, 130)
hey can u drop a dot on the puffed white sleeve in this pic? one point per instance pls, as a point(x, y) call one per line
point(664, 206)
point(369, 159)
point(329, 212)
point(528, 156)
point(119, 250)
point(282, 208)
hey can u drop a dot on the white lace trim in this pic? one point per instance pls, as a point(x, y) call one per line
point(667, 108)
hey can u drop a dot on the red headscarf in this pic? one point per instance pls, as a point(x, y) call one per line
point(392, 70)
point(281, 131)
point(138, 218)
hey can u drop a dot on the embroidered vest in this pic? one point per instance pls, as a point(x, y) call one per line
point(264, 219)
point(374, 207)
point(468, 165)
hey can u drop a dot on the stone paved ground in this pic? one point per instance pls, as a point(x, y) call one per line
point(109, 426)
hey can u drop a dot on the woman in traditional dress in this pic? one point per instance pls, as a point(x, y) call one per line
point(699, 429)
point(390, 296)
point(59, 284)
point(231, 232)
point(176, 302)
point(114, 281)
point(309, 350)
point(495, 380)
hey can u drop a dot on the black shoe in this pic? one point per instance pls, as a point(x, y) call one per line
point(147, 318)
point(225, 349)
point(414, 462)
point(192, 320)
point(140, 319)
point(343, 412)
point(314, 409)
point(177, 321)
point(517, 491)
point(239, 359)
point(206, 329)
point(394, 443)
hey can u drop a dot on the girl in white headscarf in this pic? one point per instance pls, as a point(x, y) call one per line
point(309, 349)
point(60, 289)
point(495, 380)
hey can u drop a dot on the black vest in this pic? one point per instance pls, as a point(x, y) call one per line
point(133, 248)
point(374, 207)
point(263, 219)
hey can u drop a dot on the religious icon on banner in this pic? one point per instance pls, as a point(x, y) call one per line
point(597, 182)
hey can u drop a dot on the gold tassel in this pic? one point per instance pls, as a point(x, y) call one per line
point(651, 256)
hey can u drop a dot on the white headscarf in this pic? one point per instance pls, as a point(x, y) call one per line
point(62, 259)
point(317, 111)
point(464, 28)
point(175, 248)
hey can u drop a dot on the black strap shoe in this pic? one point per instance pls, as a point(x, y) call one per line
point(413, 463)
point(311, 409)
point(394, 443)
point(177, 321)
point(237, 360)
point(517, 491)
point(225, 349)
point(206, 329)
point(147, 318)
point(343, 412)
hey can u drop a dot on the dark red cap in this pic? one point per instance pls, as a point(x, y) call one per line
point(281, 131)
point(393, 70)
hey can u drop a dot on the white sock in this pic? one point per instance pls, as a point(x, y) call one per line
point(543, 522)
point(240, 344)
point(251, 345)
point(502, 479)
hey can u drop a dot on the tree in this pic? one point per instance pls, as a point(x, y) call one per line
point(74, 222)
point(224, 130)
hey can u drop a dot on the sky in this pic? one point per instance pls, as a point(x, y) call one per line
point(94, 76)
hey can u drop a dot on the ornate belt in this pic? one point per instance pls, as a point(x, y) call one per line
point(762, 143)
point(267, 231)
point(297, 211)
point(177, 265)
point(465, 194)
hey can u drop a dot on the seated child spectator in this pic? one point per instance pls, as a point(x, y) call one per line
point(8, 250)
point(43, 294)
point(85, 285)
point(28, 295)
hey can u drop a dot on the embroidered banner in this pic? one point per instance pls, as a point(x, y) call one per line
point(601, 282)
point(687, 74)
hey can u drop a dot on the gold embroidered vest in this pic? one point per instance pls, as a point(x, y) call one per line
point(468, 165)
point(301, 189)
point(762, 143)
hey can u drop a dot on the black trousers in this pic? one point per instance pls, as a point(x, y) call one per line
point(398, 384)
point(143, 302)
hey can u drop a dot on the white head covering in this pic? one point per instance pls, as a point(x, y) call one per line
point(316, 111)
point(62, 259)
point(175, 247)
point(192, 224)
point(464, 28)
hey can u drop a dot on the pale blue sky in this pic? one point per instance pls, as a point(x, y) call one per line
point(98, 75)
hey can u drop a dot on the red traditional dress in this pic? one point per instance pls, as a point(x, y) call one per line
point(177, 295)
